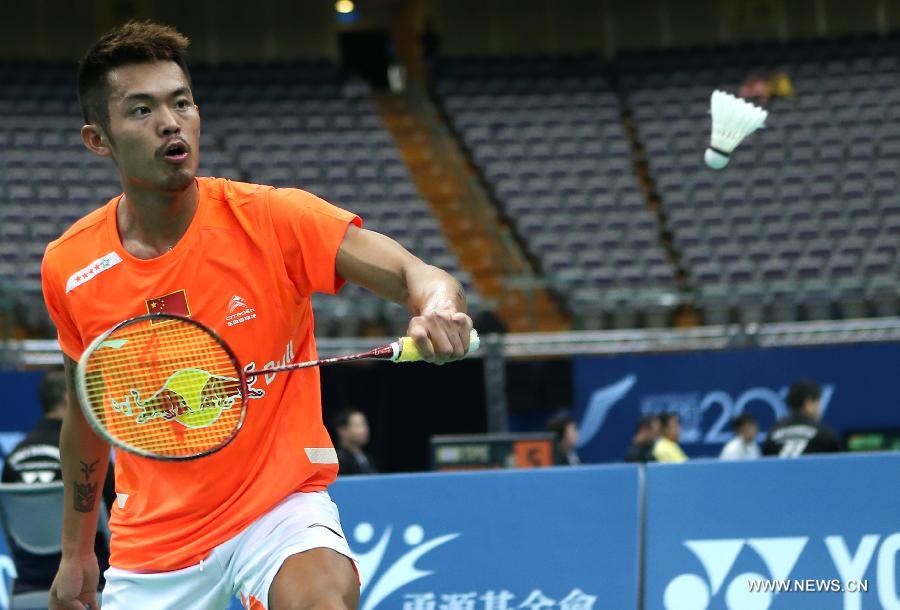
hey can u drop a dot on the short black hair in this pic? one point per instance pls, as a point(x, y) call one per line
point(134, 42)
point(342, 417)
point(52, 391)
point(741, 420)
point(558, 424)
point(646, 422)
point(664, 418)
point(801, 391)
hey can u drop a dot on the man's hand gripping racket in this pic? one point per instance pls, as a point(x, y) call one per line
point(167, 387)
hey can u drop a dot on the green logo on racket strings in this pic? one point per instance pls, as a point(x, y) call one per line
point(192, 397)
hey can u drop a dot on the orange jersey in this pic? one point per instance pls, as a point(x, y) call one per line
point(246, 267)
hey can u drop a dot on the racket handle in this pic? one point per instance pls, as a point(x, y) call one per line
point(408, 352)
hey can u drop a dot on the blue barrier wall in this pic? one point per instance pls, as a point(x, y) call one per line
point(567, 539)
point(861, 389)
point(712, 527)
point(550, 538)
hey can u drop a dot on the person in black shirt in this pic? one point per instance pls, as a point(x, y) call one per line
point(645, 436)
point(36, 460)
point(353, 434)
point(565, 439)
point(801, 433)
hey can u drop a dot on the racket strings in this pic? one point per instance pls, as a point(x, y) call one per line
point(164, 387)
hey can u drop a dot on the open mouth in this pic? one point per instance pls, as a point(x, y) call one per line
point(176, 152)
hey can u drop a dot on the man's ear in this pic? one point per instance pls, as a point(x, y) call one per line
point(95, 140)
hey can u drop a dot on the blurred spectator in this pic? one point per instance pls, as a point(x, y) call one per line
point(430, 44)
point(565, 439)
point(743, 446)
point(645, 436)
point(801, 432)
point(755, 87)
point(353, 435)
point(780, 84)
point(666, 448)
point(759, 87)
point(35, 460)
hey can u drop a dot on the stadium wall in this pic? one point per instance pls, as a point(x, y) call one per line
point(220, 30)
point(489, 27)
point(230, 30)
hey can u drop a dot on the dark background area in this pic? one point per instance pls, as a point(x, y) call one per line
point(406, 404)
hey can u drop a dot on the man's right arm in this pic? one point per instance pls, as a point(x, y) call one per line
point(85, 458)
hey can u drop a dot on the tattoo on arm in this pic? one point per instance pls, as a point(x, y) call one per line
point(85, 496)
point(88, 469)
point(86, 493)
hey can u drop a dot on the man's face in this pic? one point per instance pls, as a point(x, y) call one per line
point(357, 430)
point(673, 429)
point(655, 428)
point(813, 408)
point(748, 431)
point(154, 126)
point(570, 438)
point(644, 434)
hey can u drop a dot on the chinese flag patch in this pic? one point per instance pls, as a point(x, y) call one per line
point(174, 302)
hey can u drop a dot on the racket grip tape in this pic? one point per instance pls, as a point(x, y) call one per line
point(410, 353)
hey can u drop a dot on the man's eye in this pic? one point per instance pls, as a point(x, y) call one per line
point(141, 111)
point(182, 104)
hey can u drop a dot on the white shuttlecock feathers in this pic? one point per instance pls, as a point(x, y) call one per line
point(733, 119)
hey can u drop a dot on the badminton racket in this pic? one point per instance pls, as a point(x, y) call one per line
point(168, 387)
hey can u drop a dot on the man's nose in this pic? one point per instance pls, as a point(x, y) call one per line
point(168, 123)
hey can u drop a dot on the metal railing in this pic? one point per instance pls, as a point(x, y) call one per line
point(34, 352)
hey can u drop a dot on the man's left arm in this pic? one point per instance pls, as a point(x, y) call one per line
point(440, 325)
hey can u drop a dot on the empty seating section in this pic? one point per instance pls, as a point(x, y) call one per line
point(548, 136)
point(47, 178)
point(298, 124)
point(804, 223)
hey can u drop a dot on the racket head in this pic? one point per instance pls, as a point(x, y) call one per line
point(162, 386)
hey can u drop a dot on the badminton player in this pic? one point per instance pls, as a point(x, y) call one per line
point(253, 519)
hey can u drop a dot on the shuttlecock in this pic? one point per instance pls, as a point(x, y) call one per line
point(733, 119)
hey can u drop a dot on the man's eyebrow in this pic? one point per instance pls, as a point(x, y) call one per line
point(139, 96)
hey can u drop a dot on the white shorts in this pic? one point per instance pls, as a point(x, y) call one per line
point(244, 566)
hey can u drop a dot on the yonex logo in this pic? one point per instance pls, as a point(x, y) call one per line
point(399, 574)
point(691, 592)
point(852, 559)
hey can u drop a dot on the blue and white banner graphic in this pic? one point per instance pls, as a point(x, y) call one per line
point(861, 389)
point(816, 533)
point(548, 539)
point(812, 533)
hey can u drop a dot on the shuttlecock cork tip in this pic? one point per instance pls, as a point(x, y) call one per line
point(715, 159)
